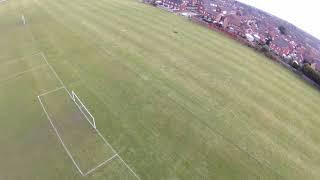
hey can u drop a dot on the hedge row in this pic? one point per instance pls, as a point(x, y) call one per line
point(311, 73)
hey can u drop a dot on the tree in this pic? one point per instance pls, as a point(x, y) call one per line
point(311, 73)
point(265, 48)
point(268, 40)
point(282, 30)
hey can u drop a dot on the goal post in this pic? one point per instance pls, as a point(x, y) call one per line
point(83, 109)
point(23, 19)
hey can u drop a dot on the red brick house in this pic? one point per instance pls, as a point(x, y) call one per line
point(176, 5)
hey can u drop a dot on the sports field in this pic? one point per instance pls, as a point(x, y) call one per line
point(171, 100)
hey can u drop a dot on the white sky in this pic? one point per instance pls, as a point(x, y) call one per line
point(304, 14)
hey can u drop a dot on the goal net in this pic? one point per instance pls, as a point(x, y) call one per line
point(83, 109)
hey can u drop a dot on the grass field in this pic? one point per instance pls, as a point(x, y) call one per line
point(174, 106)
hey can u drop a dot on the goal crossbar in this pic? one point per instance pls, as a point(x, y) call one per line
point(80, 105)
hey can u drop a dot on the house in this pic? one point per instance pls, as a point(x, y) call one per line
point(280, 46)
point(193, 6)
point(177, 5)
point(232, 20)
point(208, 8)
point(249, 37)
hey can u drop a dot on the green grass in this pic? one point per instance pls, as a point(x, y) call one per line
point(186, 105)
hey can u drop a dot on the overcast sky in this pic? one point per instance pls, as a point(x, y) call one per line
point(304, 14)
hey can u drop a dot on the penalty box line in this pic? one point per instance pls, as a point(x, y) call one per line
point(66, 148)
point(116, 155)
point(51, 91)
point(107, 143)
point(59, 137)
point(54, 72)
point(101, 164)
point(96, 129)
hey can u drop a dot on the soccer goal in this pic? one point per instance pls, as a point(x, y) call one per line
point(83, 109)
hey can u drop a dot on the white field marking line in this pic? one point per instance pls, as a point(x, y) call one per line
point(105, 142)
point(54, 90)
point(85, 115)
point(96, 129)
point(74, 96)
point(57, 133)
point(22, 72)
point(51, 91)
point(118, 154)
point(129, 167)
point(63, 144)
point(101, 164)
point(54, 72)
point(2, 1)
point(64, 87)
point(114, 151)
point(98, 132)
point(18, 59)
point(23, 19)
point(109, 145)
